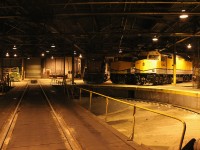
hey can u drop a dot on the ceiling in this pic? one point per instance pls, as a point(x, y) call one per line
point(97, 27)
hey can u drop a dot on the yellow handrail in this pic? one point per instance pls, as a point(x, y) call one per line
point(134, 107)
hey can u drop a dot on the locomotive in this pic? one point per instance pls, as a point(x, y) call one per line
point(152, 68)
point(122, 70)
point(94, 71)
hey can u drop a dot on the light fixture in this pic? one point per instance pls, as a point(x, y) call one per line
point(52, 57)
point(15, 55)
point(184, 15)
point(28, 58)
point(80, 56)
point(120, 51)
point(74, 52)
point(189, 46)
point(14, 47)
point(42, 54)
point(154, 39)
point(7, 54)
point(47, 51)
point(53, 46)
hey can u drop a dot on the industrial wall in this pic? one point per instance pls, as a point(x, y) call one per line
point(57, 67)
point(33, 68)
point(40, 67)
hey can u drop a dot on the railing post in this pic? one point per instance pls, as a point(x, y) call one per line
point(133, 129)
point(80, 98)
point(90, 101)
point(106, 109)
point(182, 136)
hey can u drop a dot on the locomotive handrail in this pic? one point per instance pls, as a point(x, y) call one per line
point(134, 108)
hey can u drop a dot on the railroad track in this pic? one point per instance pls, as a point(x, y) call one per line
point(34, 97)
point(162, 104)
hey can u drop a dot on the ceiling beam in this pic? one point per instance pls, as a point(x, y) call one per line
point(121, 3)
point(127, 32)
point(125, 13)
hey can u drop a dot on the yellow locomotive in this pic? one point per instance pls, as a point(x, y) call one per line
point(155, 68)
point(122, 70)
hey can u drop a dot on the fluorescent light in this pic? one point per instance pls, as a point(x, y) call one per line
point(53, 45)
point(183, 16)
point(155, 39)
point(14, 47)
point(189, 46)
point(7, 54)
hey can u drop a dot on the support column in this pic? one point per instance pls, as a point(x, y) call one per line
point(64, 72)
point(72, 65)
point(174, 66)
point(22, 68)
point(2, 67)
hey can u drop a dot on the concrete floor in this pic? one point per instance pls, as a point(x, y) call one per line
point(158, 132)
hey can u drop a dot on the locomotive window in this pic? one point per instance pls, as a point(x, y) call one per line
point(142, 57)
point(163, 58)
point(154, 57)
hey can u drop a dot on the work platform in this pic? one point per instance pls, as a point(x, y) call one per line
point(182, 94)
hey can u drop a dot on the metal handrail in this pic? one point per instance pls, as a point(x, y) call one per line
point(134, 111)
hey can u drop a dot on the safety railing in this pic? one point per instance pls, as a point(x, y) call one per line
point(107, 98)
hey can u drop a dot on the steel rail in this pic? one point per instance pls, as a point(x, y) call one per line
point(11, 119)
point(136, 106)
point(74, 145)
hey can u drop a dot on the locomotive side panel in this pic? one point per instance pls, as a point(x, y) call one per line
point(94, 71)
point(122, 70)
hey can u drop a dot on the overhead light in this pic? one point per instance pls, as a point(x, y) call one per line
point(80, 56)
point(42, 54)
point(53, 46)
point(74, 52)
point(154, 39)
point(120, 51)
point(52, 57)
point(28, 58)
point(7, 54)
point(47, 51)
point(15, 55)
point(189, 46)
point(184, 15)
point(14, 47)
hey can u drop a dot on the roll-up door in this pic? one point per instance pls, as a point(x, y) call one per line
point(33, 68)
